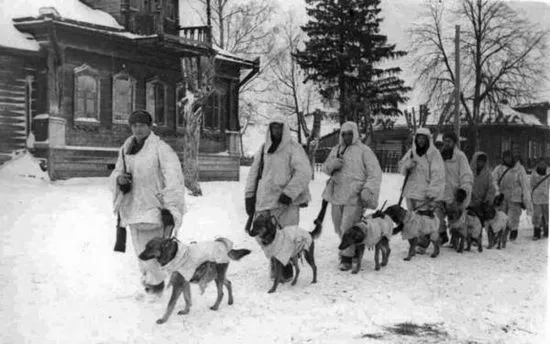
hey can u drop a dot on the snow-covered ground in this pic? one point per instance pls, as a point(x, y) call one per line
point(61, 282)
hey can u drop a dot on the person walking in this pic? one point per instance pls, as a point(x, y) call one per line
point(354, 184)
point(483, 189)
point(458, 183)
point(540, 185)
point(424, 172)
point(278, 180)
point(513, 190)
point(147, 178)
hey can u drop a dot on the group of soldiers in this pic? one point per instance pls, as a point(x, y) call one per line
point(438, 177)
point(149, 191)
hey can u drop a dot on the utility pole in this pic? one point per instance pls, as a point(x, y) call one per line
point(209, 21)
point(457, 82)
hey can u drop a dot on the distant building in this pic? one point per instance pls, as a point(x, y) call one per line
point(523, 129)
point(72, 71)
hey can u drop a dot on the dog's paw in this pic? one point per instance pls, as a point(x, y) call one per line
point(161, 321)
point(314, 282)
point(434, 255)
point(183, 312)
point(377, 268)
point(271, 291)
point(407, 259)
point(355, 271)
point(214, 308)
point(467, 249)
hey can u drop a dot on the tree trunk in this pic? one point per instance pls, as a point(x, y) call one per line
point(342, 111)
point(221, 21)
point(191, 141)
point(475, 143)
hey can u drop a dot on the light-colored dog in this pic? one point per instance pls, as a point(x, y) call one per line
point(497, 228)
point(371, 232)
point(414, 225)
point(199, 263)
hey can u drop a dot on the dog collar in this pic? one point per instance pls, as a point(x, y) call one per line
point(182, 255)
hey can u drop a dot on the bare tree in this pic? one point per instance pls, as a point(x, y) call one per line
point(294, 97)
point(245, 29)
point(503, 55)
point(198, 76)
point(239, 26)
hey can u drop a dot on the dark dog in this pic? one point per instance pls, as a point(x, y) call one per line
point(365, 233)
point(284, 245)
point(496, 222)
point(414, 225)
point(199, 263)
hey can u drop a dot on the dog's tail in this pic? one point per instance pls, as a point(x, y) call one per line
point(238, 254)
point(316, 231)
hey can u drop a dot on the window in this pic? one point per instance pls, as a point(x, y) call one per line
point(216, 110)
point(170, 9)
point(505, 144)
point(86, 94)
point(156, 101)
point(124, 97)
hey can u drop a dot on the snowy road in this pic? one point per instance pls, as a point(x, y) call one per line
point(62, 283)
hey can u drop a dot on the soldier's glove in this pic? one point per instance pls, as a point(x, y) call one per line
point(460, 196)
point(284, 199)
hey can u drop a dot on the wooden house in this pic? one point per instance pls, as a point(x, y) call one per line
point(523, 129)
point(72, 72)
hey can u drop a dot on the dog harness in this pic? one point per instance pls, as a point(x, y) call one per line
point(189, 257)
point(499, 222)
point(374, 229)
point(415, 225)
point(473, 226)
point(288, 242)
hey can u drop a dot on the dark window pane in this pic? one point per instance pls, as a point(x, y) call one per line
point(159, 104)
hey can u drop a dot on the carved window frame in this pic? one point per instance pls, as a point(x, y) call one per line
point(151, 108)
point(86, 70)
point(133, 82)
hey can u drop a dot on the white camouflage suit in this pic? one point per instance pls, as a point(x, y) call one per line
point(353, 187)
point(157, 182)
point(288, 171)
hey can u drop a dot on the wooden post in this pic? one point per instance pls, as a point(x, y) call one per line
point(457, 83)
point(209, 21)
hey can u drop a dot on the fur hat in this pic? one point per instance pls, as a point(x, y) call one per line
point(140, 116)
point(450, 135)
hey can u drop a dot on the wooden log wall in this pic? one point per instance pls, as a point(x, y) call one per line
point(17, 102)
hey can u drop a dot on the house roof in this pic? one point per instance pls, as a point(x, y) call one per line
point(67, 9)
point(224, 55)
point(77, 13)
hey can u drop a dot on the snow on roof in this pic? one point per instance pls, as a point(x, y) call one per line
point(228, 56)
point(506, 115)
point(67, 9)
point(512, 116)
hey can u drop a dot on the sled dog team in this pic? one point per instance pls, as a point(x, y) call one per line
point(441, 188)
